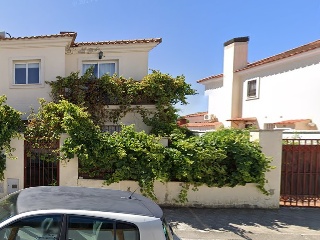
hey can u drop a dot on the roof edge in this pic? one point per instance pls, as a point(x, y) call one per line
point(238, 39)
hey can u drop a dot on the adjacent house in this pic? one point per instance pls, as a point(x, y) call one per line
point(199, 122)
point(280, 91)
point(27, 62)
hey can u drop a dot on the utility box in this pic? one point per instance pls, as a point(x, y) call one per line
point(12, 185)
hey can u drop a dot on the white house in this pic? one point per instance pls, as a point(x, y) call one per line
point(281, 91)
point(27, 62)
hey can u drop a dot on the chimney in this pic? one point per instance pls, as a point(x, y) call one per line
point(236, 53)
point(235, 57)
point(2, 34)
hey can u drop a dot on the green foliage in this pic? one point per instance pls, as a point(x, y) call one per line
point(53, 119)
point(225, 157)
point(10, 125)
point(222, 158)
point(132, 156)
point(158, 89)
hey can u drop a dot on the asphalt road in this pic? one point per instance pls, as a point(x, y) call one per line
point(286, 223)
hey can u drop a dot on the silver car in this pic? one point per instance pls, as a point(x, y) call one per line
point(78, 213)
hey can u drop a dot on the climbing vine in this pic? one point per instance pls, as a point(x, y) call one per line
point(97, 94)
point(10, 127)
point(226, 157)
point(222, 158)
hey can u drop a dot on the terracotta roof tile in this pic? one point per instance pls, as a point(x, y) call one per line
point(243, 119)
point(203, 124)
point(76, 44)
point(135, 41)
point(286, 54)
point(211, 77)
point(293, 121)
point(63, 34)
point(277, 57)
point(196, 114)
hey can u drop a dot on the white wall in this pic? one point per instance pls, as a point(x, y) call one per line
point(287, 91)
point(216, 94)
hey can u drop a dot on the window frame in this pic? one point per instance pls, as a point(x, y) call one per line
point(58, 227)
point(26, 60)
point(256, 95)
point(87, 61)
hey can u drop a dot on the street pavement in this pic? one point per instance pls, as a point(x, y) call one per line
point(285, 223)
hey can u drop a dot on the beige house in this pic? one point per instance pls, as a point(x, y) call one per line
point(280, 91)
point(27, 62)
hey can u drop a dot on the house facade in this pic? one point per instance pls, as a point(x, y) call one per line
point(280, 91)
point(26, 63)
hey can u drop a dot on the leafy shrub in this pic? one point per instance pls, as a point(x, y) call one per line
point(10, 126)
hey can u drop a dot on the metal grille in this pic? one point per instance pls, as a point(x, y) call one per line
point(111, 128)
point(300, 181)
point(37, 170)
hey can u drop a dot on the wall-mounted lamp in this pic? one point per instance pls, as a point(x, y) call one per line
point(100, 55)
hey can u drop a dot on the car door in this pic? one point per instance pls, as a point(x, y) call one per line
point(94, 228)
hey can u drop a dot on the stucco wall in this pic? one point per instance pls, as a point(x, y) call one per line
point(134, 118)
point(288, 91)
point(24, 97)
point(130, 64)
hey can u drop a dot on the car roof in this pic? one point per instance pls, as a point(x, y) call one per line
point(83, 198)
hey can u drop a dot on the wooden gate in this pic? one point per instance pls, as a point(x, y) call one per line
point(38, 171)
point(300, 180)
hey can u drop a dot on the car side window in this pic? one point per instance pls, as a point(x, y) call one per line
point(37, 227)
point(91, 228)
point(126, 231)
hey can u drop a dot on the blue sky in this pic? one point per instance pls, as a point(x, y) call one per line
point(192, 31)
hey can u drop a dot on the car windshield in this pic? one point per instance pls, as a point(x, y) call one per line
point(8, 206)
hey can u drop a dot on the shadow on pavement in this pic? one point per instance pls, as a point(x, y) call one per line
point(245, 221)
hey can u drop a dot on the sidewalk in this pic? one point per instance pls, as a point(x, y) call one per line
point(234, 224)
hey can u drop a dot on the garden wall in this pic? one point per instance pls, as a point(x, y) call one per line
point(247, 196)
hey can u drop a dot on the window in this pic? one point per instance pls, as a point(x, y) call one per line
point(100, 68)
point(111, 128)
point(252, 89)
point(27, 72)
point(87, 228)
point(37, 227)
